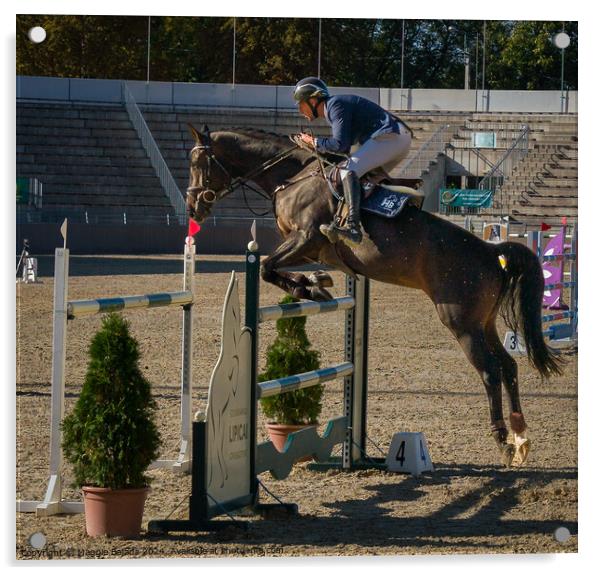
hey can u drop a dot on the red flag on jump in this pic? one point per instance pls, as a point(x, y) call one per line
point(545, 227)
point(193, 228)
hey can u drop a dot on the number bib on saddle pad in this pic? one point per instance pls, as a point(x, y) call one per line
point(388, 201)
point(385, 202)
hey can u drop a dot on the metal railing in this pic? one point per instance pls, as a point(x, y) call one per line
point(480, 156)
point(494, 179)
point(540, 175)
point(420, 161)
point(97, 216)
point(158, 162)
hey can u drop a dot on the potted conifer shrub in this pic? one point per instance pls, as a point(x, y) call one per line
point(290, 354)
point(111, 438)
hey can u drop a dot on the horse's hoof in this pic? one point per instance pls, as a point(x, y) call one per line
point(319, 294)
point(321, 279)
point(301, 292)
point(330, 232)
point(523, 446)
point(508, 450)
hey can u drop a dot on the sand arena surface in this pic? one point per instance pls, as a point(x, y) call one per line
point(419, 380)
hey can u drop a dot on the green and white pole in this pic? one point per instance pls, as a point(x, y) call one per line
point(251, 322)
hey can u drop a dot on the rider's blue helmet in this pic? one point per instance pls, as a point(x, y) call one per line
point(308, 88)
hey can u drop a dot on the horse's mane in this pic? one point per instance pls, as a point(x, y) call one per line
point(258, 132)
point(270, 143)
point(266, 137)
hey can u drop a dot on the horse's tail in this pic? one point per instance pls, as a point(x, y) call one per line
point(521, 301)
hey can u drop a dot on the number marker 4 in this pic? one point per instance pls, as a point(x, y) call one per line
point(409, 453)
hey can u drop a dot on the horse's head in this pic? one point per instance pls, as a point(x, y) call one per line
point(223, 161)
point(209, 180)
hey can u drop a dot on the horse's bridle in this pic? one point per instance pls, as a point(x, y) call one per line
point(204, 192)
point(208, 196)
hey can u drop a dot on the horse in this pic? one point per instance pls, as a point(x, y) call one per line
point(468, 280)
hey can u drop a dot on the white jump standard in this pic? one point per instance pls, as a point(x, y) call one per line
point(64, 310)
point(226, 459)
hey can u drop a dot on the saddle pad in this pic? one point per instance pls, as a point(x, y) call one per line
point(385, 202)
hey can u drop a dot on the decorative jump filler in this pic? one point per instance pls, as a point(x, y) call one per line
point(556, 330)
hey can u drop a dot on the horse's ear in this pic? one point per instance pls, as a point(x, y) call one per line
point(195, 134)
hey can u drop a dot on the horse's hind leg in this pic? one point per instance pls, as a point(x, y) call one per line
point(473, 340)
point(294, 250)
point(487, 362)
point(510, 381)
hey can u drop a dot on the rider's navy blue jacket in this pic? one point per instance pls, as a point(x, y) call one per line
point(354, 120)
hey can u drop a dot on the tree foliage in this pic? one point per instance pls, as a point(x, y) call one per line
point(111, 437)
point(291, 354)
point(279, 51)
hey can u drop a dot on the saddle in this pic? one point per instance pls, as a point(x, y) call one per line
point(379, 196)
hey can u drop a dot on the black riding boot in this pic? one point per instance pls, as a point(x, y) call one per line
point(351, 233)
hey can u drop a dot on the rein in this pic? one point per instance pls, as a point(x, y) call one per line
point(321, 172)
point(241, 180)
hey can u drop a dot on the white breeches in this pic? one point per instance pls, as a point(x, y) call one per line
point(384, 150)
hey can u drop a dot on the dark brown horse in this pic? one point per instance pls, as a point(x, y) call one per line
point(468, 280)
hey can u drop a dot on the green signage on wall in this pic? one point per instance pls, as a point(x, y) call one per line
point(22, 190)
point(483, 139)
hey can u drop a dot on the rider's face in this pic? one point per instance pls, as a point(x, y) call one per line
point(305, 110)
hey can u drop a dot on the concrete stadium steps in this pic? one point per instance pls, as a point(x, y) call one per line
point(73, 165)
point(57, 159)
point(527, 117)
point(109, 148)
point(90, 198)
point(218, 119)
point(104, 180)
point(67, 130)
point(86, 155)
point(533, 200)
point(544, 187)
point(566, 164)
point(544, 183)
point(533, 214)
point(545, 129)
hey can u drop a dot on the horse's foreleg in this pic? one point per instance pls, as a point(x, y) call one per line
point(293, 251)
point(474, 340)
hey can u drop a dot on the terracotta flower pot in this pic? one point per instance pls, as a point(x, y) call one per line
point(279, 433)
point(114, 512)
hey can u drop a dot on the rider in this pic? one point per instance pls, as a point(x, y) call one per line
point(384, 140)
